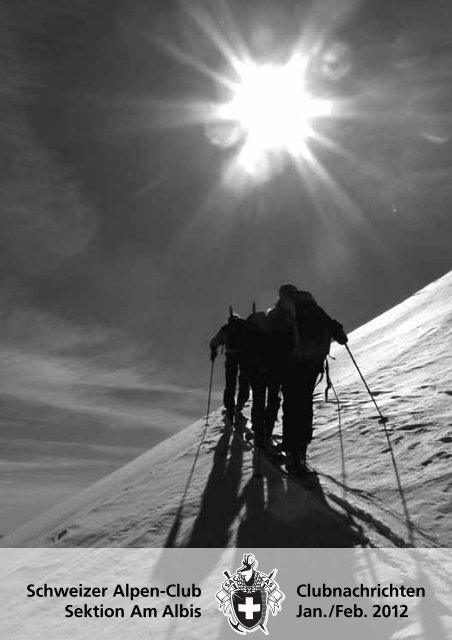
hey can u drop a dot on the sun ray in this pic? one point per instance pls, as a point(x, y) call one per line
point(338, 194)
point(370, 169)
point(155, 114)
point(190, 61)
point(341, 199)
point(226, 40)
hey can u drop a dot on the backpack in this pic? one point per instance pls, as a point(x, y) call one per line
point(255, 347)
point(236, 333)
point(312, 331)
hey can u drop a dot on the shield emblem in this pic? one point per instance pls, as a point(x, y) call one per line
point(249, 607)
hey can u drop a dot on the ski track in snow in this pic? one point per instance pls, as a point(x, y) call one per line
point(197, 488)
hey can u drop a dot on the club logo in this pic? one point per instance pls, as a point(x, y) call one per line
point(247, 596)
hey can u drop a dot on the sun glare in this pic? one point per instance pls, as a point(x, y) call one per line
point(274, 110)
point(267, 113)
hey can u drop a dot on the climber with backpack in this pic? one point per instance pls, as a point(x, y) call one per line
point(231, 337)
point(257, 360)
point(301, 333)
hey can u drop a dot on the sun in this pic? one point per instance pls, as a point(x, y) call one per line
point(268, 116)
point(273, 109)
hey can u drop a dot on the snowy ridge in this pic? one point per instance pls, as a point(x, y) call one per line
point(196, 489)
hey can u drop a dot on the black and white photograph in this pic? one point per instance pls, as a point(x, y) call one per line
point(226, 286)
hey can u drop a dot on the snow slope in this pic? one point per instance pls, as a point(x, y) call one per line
point(197, 489)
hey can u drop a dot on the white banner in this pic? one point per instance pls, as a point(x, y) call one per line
point(345, 594)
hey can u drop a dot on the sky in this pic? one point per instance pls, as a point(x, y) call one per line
point(127, 229)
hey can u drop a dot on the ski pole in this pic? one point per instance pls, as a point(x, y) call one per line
point(210, 392)
point(329, 385)
point(383, 420)
point(341, 438)
point(171, 540)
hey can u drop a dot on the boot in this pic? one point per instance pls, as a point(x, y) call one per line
point(296, 464)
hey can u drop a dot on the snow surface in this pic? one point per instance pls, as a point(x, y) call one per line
point(197, 489)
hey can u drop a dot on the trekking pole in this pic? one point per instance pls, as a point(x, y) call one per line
point(210, 393)
point(383, 420)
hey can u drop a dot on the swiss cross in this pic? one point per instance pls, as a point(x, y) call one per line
point(249, 608)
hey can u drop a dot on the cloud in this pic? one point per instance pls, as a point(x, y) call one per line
point(121, 397)
point(45, 217)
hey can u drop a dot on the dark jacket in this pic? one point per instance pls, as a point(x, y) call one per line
point(303, 333)
point(231, 335)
